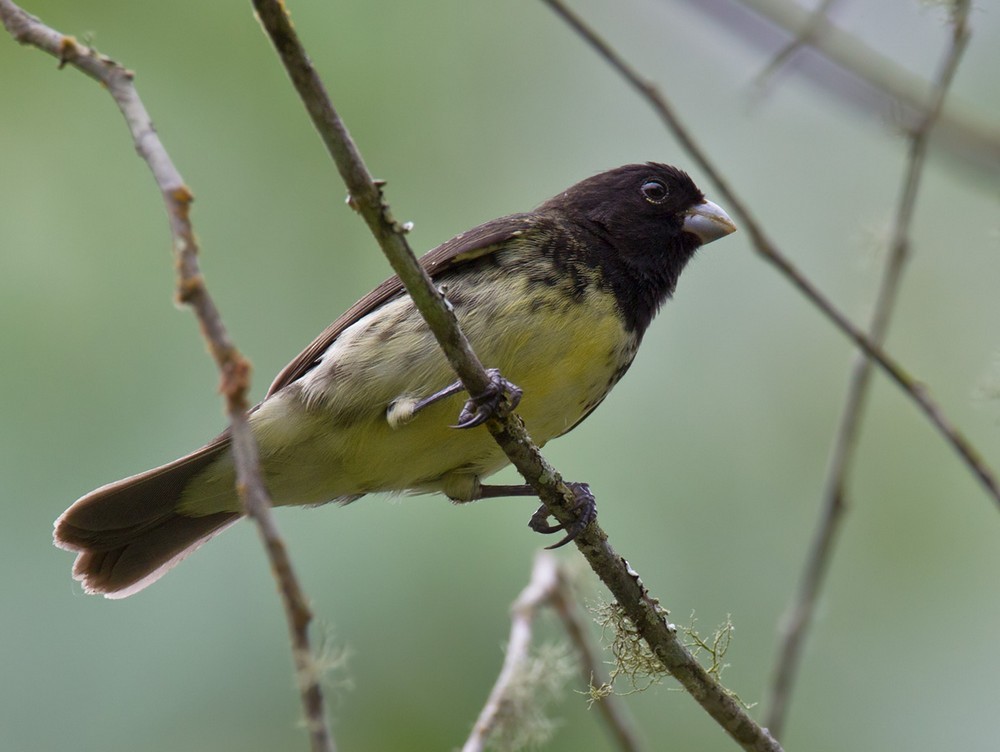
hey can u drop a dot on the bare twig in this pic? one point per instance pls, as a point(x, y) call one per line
point(960, 127)
point(191, 290)
point(548, 586)
point(803, 37)
point(766, 248)
point(537, 593)
point(508, 430)
point(800, 613)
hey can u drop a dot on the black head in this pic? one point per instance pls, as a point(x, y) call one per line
point(645, 222)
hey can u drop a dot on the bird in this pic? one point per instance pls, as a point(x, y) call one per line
point(554, 301)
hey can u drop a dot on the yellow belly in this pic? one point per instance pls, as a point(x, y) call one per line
point(326, 436)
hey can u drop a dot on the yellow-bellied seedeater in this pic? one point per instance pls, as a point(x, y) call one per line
point(557, 300)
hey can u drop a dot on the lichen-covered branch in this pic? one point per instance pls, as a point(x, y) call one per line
point(501, 707)
point(616, 718)
point(511, 710)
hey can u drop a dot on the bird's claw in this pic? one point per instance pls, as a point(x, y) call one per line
point(477, 410)
point(585, 508)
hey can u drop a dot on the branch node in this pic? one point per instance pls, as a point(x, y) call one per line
point(68, 50)
point(181, 195)
point(235, 379)
point(189, 286)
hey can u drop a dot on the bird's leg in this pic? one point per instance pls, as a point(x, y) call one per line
point(438, 396)
point(584, 506)
point(476, 411)
point(403, 409)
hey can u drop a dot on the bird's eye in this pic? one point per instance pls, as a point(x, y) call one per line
point(654, 191)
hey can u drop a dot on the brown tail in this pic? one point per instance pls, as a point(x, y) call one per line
point(129, 533)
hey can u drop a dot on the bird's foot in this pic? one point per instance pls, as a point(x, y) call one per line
point(585, 508)
point(481, 407)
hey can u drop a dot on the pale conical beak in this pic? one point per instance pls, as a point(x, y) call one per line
point(708, 222)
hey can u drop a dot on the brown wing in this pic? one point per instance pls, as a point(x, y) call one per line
point(475, 243)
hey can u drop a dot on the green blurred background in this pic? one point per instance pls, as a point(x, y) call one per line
point(707, 460)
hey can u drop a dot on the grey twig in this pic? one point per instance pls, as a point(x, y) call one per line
point(537, 593)
point(508, 430)
point(803, 37)
point(767, 249)
point(800, 612)
point(191, 291)
point(548, 586)
point(964, 130)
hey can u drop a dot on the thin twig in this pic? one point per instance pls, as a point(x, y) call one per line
point(191, 290)
point(508, 430)
point(962, 129)
point(548, 586)
point(615, 715)
point(800, 613)
point(766, 248)
point(803, 37)
point(537, 593)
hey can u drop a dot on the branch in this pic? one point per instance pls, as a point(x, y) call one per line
point(508, 430)
point(767, 249)
point(539, 591)
point(800, 612)
point(191, 291)
point(548, 586)
point(615, 715)
point(805, 36)
point(963, 130)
